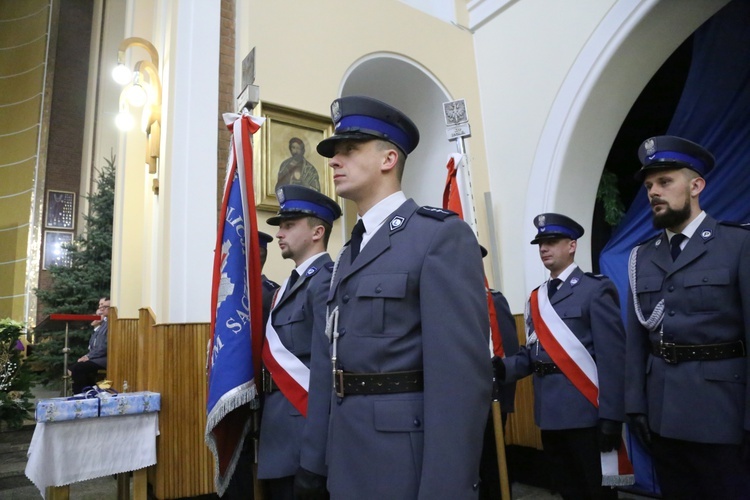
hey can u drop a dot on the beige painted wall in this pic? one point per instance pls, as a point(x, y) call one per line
point(304, 51)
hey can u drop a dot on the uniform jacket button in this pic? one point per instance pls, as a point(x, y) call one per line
point(417, 422)
point(671, 313)
point(671, 288)
point(345, 299)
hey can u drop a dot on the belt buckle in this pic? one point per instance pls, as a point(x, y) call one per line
point(668, 352)
point(340, 390)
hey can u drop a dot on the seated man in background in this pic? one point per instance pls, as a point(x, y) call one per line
point(84, 371)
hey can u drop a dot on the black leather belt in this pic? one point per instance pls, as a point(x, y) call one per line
point(541, 368)
point(268, 384)
point(350, 384)
point(675, 353)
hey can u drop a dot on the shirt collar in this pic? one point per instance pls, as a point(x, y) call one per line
point(375, 217)
point(691, 228)
point(563, 276)
point(303, 267)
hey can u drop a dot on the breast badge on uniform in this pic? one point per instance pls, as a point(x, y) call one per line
point(706, 234)
point(573, 281)
point(311, 270)
point(657, 243)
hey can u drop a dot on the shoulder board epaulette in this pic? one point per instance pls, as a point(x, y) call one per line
point(329, 266)
point(270, 285)
point(743, 225)
point(595, 276)
point(435, 213)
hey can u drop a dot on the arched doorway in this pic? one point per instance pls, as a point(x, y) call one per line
point(618, 61)
point(409, 86)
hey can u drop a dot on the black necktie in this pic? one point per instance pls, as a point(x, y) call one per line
point(356, 242)
point(292, 280)
point(552, 286)
point(674, 245)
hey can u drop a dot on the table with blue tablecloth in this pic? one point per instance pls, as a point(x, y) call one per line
point(73, 443)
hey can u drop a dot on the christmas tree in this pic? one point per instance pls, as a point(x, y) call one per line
point(15, 376)
point(77, 288)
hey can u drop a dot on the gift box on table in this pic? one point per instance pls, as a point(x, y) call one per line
point(59, 409)
point(129, 403)
point(104, 404)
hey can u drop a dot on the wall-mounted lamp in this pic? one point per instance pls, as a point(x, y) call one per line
point(140, 92)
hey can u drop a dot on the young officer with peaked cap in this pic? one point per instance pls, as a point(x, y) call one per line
point(574, 431)
point(687, 394)
point(409, 325)
point(291, 454)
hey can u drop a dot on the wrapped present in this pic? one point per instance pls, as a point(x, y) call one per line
point(59, 409)
point(97, 404)
point(129, 403)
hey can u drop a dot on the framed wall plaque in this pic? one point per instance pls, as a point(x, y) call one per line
point(54, 253)
point(60, 210)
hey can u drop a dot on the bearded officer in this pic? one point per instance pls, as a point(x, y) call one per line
point(688, 331)
point(291, 455)
point(409, 324)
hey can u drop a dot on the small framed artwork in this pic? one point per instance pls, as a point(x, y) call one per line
point(60, 213)
point(54, 253)
point(287, 153)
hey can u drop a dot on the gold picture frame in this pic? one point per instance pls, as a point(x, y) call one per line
point(285, 132)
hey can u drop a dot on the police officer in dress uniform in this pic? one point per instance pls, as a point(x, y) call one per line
point(574, 432)
point(489, 488)
point(291, 452)
point(241, 485)
point(409, 325)
point(687, 394)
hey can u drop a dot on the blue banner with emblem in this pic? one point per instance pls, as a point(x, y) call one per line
point(236, 316)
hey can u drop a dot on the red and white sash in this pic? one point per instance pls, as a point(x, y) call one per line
point(288, 372)
point(574, 360)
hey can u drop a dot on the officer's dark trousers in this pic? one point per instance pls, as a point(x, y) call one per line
point(576, 463)
point(281, 488)
point(688, 470)
point(83, 375)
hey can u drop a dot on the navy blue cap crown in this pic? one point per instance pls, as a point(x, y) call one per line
point(300, 201)
point(667, 152)
point(552, 226)
point(264, 239)
point(364, 118)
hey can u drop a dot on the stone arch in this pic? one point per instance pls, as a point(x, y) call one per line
point(409, 86)
point(621, 56)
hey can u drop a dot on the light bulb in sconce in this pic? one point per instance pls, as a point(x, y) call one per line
point(122, 74)
point(137, 95)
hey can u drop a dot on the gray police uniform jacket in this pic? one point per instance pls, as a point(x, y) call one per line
point(589, 306)
point(509, 335)
point(98, 344)
point(414, 299)
point(287, 439)
point(706, 294)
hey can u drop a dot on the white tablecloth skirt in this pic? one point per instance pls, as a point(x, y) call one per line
point(76, 450)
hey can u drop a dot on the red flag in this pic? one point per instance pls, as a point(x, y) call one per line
point(452, 201)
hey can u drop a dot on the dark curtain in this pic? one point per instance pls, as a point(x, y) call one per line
point(714, 111)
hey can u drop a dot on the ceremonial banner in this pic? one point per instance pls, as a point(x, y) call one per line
point(579, 367)
point(456, 197)
point(233, 358)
